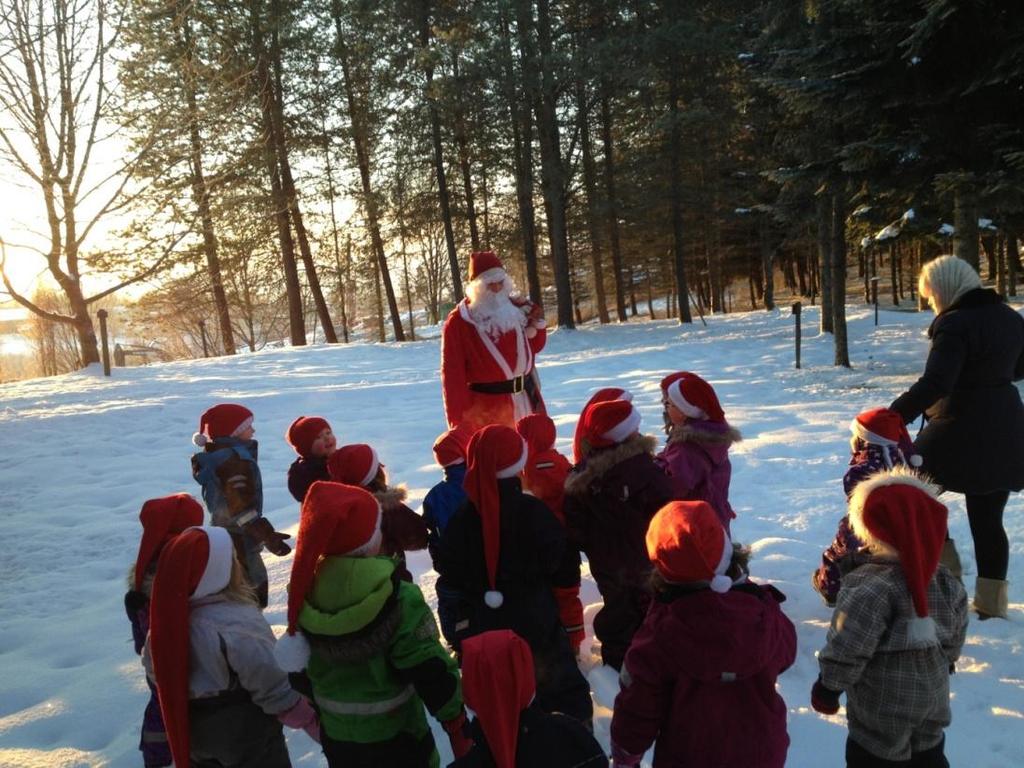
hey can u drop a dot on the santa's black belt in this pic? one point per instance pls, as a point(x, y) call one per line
point(508, 387)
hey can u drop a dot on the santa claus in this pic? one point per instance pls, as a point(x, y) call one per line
point(488, 350)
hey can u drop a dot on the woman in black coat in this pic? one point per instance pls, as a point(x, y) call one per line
point(973, 442)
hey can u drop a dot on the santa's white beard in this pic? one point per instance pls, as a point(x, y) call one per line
point(494, 312)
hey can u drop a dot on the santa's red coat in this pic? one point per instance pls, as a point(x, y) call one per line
point(467, 359)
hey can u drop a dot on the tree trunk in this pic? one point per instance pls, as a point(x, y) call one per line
point(965, 224)
point(842, 353)
point(893, 279)
point(463, 150)
point(824, 221)
point(767, 260)
point(522, 144)
point(357, 118)
point(608, 148)
point(343, 272)
point(675, 151)
point(1012, 262)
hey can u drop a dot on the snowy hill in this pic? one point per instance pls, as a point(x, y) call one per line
point(79, 454)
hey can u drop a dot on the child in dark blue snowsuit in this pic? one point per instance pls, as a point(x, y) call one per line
point(439, 505)
point(162, 519)
point(233, 488)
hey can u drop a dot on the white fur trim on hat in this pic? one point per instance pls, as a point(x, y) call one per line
point(217, 573)
point(374, 467)
point(372, 544)
point(624, 428)
point(292, 652)
point(494, 599)
point(865, 434)
point(675, 396)
point(246, 423)
point(514, 469)
point(894, 476)
point(492, 275)
point(720, 582)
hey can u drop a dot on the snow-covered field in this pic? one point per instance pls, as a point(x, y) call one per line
point(80, 453)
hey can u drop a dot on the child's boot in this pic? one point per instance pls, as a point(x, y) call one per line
point(990, 598)
point(951, 559)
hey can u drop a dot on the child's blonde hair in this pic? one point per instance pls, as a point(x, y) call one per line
point(239, 588)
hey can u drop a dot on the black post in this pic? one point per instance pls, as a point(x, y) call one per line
point(796, 314)
point(202, 332)
point(102, 315)
point(874, 296)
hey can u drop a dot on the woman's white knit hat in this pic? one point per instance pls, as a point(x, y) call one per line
point(946, 279)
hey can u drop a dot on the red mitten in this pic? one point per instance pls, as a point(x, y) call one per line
point(461, 743)
point(823, 699)
point(570, 611)
point(302, 716)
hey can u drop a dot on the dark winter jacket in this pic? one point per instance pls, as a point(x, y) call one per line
point(549, 740)
point(974, 439)
point(156, 751)
point(401, 529)
point(303, 472)
point(533, 559)
point(696, 457)
point(441, 502)
point(700, 677)
point(609, 503)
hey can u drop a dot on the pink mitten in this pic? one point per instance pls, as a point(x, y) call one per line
point(302, 717)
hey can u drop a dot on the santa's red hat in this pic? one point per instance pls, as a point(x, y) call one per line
point(355, 464)
point(450, 447)
point(194, 564)
point(538, 430)
point(693, 396)
point(687, 543)
point(884, 427)
point(601, 396)
point(496, 452)
point(897, 513)
point(303, 432)
point(498, 683)
point(161, 519)
point(335, 519)
point(486, 266)
point(609, 423)
point(222, 420)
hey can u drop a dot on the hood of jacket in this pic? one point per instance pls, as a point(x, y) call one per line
point(348, 594)
point(715, 437)
point(391, 498)
point(599, 463)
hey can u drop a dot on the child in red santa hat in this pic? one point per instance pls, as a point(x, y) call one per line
point(699, 678)
point(162, 519)
point(509, 729)
point(232, 485)
point(879, 441)
point(544, 476)
point(601, 396)
point(366, 639)
point(899, 624)
point(439, 505)
point(222, 695)
point(402, 529)
point(611, 496)
point(314, 440)
point(505, 551)
point(696, 453)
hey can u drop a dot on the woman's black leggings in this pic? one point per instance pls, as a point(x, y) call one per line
point(991, 547)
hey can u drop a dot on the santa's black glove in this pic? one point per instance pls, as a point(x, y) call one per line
point(823, 699)
point(262, 531)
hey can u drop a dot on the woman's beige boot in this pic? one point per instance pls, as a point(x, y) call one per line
point(951, 559)
point(990, 598)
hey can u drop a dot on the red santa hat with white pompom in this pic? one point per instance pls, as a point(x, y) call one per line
point(486, 266)
point(601, 396)
point(495, 453)
point(222, 420)
point(885, 427)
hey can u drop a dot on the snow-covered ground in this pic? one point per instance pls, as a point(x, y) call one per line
point(80, 453)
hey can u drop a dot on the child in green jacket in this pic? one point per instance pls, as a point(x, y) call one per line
point(366, 639)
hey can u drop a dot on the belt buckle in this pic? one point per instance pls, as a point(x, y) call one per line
point(518, 384)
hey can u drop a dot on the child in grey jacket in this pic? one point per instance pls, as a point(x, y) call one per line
point(900, 621)
point(211, 653)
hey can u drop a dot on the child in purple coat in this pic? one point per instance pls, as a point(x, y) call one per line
point(879, 442)
point(699, 678)
point(162, 519)
point(696, 454)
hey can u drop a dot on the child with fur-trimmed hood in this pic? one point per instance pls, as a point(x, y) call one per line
point(401, 528)
point(898, 627)
point(610, 498)
point(696, 453)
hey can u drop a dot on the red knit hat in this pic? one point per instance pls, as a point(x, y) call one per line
point(450, 447)
point(601, 396)
point(693, 396)
point(687, 543)
point(897, 512)
point(881, 426)
point(222, 420)
point(496, 452)
point(335, 519)
point(538, 430)
point(355, 464)
point(486, 266)
point(161, 519)
point(194, 564)
point(303, 432)
point(609, 423)
point(498, 683)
